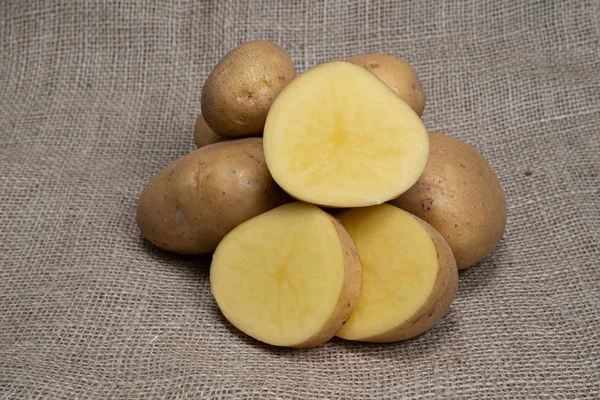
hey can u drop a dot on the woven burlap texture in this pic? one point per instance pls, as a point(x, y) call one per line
point(97, 96)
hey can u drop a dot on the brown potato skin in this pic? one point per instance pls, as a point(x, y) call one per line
point(240, 90)
point(441, 297)
point(461, 197)
point(203, 135)
point(192, 203)
point(351, 289)
point(398, 75)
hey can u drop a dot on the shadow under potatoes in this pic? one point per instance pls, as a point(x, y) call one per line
point(199, 267)
point(196, 265)
point(471, 280)
point(477, 278)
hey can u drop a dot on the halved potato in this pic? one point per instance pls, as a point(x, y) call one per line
point(337, 136)
point(409, 275)
point(289, 277)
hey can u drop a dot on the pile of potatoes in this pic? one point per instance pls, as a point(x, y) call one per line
point(330, 209)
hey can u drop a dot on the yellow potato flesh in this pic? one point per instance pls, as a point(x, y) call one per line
point(400, 267)
point(337, 136)
point(278, 277)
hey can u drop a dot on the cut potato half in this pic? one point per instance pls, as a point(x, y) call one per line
point(337, 136)
point(289, 277)
point(409, 275)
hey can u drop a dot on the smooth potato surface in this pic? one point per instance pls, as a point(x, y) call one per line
point(192, 203)
point(441, 297)
point(338, 137)
point(289, 277)
point(461, 197)
point(409, 275)
point(203, 135)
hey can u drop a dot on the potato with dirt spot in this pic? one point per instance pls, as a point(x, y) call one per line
point(192, 203)
point(461, 197)
point(398, 75)
point(240, 90)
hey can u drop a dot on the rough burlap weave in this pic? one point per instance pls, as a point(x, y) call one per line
point(97, 96)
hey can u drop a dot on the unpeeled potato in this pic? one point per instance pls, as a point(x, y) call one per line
point(203, 135)
point(460, 196)
point(241, 88)
point(192, 203)
point(398, 75)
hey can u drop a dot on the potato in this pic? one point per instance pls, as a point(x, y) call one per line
point(203, 135)
point(192, 203)
point(289, 277)
point(338, 137)
point(409, 275)
point(398, 74)
point(240, 90)
point(460, 196)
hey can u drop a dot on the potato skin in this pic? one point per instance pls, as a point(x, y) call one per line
point(203, 135)
point(441, 297)
point(351, 289)
point(461, 197)
point(398, 75)
point(192, 203)
point(240, 90)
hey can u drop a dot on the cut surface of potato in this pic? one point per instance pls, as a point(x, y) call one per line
point(409, 275)
point(337, 136)
point(289, 277)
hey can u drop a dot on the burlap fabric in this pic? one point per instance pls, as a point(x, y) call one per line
point(97, 96)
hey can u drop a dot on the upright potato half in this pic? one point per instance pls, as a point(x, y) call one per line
point(339, 137)
point(409, 275)
point(241, 88)
point(461, 197)
point(192, 203)
point(289, 277)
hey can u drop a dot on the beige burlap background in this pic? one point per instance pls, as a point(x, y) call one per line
point(97, 96)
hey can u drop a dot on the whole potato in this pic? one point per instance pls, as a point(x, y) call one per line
point(240, 90)
point(461, 197)
point(203, 135)
point(192, 203)
point(398, 74)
